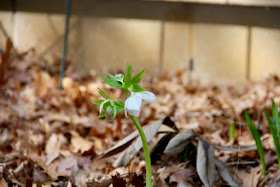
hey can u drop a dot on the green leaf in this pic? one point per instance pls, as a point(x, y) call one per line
point(115, 112)
point(112, 77)
point(127, 78)
point(102, 115)
point(97, 102)
point(103, 94)
point(119, 103)
point(110, 82)
point(119, 110)
point(137, 78)
point(275, 115)
point(125, 90)
point(256, 135)
point(232, 131)
point(137, 88)
point(274, 135)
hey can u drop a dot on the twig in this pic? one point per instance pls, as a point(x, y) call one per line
point(241, 163)
point(62, 67)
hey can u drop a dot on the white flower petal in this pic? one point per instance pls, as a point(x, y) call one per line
point(125, 111)
point(147, 96)
point(133, 103)
point(135, 113)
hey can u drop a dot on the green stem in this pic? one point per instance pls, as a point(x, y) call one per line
point(146, 151)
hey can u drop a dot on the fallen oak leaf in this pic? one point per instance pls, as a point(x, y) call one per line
point(205, 162)
point(79, 144)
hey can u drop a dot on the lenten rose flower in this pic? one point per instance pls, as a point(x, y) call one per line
point(134, 101)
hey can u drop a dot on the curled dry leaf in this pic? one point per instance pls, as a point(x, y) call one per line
point(165, 129)
point(205, 162)
point(226, 174)
point(150, 131)
point(177, 144)
point(53, 147)
point(121, 145)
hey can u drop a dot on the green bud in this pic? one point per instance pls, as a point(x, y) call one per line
point(119, 77)
point(109, 112)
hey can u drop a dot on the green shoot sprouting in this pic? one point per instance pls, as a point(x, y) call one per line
point(274, 135)
point(232, 131)
point(275, 116)
point(257, 138)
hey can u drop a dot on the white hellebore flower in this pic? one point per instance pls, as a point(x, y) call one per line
point(133, 103)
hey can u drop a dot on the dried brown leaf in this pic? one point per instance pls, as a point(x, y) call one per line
point(205, 162)
point(226, 174)
point(177, 144)
point(150, 131)
point(53, 148)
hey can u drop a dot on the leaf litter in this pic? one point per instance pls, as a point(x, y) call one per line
point(55, 138)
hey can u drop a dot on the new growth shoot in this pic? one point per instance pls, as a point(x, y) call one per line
point(273, 123)
point(135, 94)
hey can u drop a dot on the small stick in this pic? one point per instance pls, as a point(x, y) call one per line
point(240, 163)
point(62, 67)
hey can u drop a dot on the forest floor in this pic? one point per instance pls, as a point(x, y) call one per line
point(50, 137)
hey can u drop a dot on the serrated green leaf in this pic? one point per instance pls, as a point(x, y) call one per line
point(274, 135)
point(103, 94)
point(137, 78)
point(97, 102)
point(275, 115)
point(256, 135)
point(137, 88)
point(110, 82)
point(127, 78)
point(112, 77)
